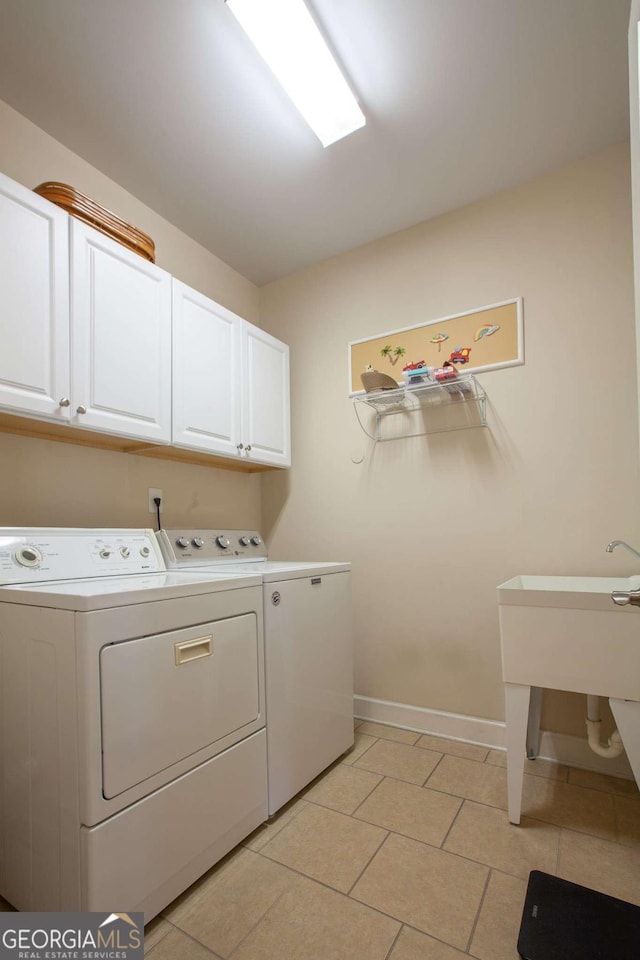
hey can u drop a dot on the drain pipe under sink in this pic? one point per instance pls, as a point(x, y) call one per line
point(614, 746)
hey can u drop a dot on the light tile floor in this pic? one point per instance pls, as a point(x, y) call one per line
point(402, 851)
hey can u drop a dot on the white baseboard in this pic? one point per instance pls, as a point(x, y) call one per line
point(556, 747)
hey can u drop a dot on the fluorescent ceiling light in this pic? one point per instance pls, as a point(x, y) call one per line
point(285, 34)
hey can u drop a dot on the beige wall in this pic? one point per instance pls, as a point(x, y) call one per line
point(433, 524)
point(47, 483)
point(44, 483)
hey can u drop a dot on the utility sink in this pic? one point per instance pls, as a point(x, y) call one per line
point(567, 633)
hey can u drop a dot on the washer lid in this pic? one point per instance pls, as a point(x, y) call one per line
point(98, 594)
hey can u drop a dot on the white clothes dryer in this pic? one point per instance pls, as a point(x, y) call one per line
point(132, 724)
point(308, 650)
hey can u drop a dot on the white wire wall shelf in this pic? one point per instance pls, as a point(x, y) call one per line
point(422, 409)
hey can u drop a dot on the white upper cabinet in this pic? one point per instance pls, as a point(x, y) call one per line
point(34, 303)
point(230, 383)
point(207, 394)
point(120, 339)
point(266, 415)
point(94, 336)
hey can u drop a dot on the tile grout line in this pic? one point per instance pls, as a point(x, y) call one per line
point(160, 939)
point(261, 918)
point(216, 956)
point(369, 861)
point(442, 756)
point(360, 755)
point(364, 799)
point(413, 782)
point(283, 827)
point(479, 910)
point(395, 940)
point(446, 836)
point(563, 826)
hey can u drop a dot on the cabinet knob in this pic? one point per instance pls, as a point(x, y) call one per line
point(248, 448)
point(65, 402)
point(81, 409)
point(240, 446)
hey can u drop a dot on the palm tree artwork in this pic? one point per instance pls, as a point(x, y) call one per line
point(393, 353)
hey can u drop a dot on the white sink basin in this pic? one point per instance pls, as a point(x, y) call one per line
point(566, 633)
point(582, 593)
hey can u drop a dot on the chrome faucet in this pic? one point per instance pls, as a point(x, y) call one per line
point(610, 547)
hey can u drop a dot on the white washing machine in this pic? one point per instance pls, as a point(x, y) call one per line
point(132, 720)
point(308, 650)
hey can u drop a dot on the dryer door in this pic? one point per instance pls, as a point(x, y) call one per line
point(167, 696)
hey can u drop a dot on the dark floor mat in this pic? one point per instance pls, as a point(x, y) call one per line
point(564, 921)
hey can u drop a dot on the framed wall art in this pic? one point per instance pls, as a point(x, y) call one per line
point(487, 338)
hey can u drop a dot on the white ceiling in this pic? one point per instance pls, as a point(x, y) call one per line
point(463, 98)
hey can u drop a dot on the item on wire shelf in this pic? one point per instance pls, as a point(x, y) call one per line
point(373, 380)
point(445, 373)
point(416, 374)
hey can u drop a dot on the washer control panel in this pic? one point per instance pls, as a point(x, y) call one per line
point(36, 554)
point(182, 548)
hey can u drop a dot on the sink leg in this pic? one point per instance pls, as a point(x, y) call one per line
point(517, 698)
point(533, 728)
point(627, 716)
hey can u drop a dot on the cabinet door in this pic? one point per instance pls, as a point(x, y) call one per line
point(266, 430)
point(121, 339)
point(206, 373)
point(34, 299)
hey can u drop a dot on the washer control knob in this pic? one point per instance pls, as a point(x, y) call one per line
point(256, 541)
point(244, 541)
point(182, 542)
point(223, 542)
point(125, 552)
point(198, 542)
point(28, 556)
point(105, 553)
point(144, 551)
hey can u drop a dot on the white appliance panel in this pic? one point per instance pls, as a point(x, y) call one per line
point(308, 649)
point(37, 554)
point(152, 851)
point(117, 667)
point(165, 697)
point(309, 679)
